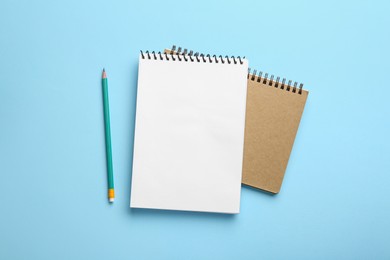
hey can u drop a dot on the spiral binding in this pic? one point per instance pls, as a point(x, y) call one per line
point(253, 76)
point(275, 83)
point(184, 55)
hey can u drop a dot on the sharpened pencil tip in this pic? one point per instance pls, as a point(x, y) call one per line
point(104, 75)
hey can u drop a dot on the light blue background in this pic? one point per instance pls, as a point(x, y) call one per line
point(334, 202)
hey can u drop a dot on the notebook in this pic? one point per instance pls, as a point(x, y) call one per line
point(273, 113)
point(189, 133)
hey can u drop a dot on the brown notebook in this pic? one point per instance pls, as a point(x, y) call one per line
point(273, 112)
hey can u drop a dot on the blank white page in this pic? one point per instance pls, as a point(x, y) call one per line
point(189, 134)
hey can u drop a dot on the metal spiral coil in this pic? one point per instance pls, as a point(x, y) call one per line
point(190, 56)
point(275, 83)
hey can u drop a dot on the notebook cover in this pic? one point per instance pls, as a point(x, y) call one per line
point(273, 114)
point(189, 134)
point(272, 119)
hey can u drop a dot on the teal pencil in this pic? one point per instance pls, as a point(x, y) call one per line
point(110, 173)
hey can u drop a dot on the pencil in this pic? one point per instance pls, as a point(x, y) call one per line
point(110, 174)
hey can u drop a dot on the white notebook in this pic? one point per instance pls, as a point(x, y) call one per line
point(189, 133)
